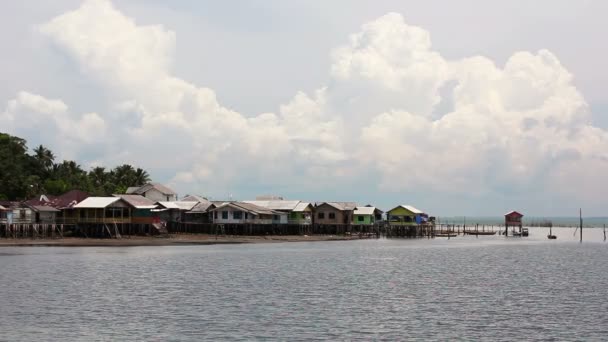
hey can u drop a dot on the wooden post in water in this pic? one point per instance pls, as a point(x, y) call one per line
point(604, 232)
point(580, 213)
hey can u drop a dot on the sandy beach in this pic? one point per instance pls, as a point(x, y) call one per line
point(171, 240)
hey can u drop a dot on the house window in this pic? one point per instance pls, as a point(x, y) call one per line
point(22, 214)
point(321, 216)
point(360, 218)
point(215, 215)
point(224, 215)
point(237, 215)
point(303, 216)
point(332, 216)
point(275, 217)
point(246, 216)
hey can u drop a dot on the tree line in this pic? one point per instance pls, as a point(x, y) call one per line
point(24, 175)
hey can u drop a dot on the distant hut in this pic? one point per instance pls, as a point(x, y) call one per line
point(513, 219)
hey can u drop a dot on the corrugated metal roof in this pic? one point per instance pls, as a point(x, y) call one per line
point(301, 206)
point(2, 208)
point(44, 208)
point(178, 205)
point(410, 208)
point(365, 210)
point(276, 204)
point(202, 207)
point(142, 189)
point(69, 199)
point(97, 202)
point(194, 198)
point(413, 209)
point(11, 205)
point(137, 201)
point(341, 205)
point(248, 207)
point(132, 189)
point(514, 212)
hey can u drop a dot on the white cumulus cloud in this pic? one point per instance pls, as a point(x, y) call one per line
point(393, 106)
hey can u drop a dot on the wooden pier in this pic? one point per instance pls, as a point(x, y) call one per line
point(32, 231)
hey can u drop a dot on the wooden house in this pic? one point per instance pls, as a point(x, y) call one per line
point(154, 191)
point(242, 212)
point(406, 215)
point(103, 210)
point(200, 213)
point(367, 215)
point(65, 204)
point(141, 208)
point(17, 212)
point(44, 214)
point(334, 213)
point(174, 211)
point(513, 219)
point(3, 215)
point(297, 212)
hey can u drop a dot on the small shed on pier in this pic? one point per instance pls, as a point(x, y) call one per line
point(513, 219)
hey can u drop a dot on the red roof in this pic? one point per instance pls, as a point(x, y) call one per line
point(514, 213)
point(39, 200)
point(69, 199)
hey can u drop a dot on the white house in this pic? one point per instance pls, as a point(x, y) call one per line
point(242, 212)
point(154, 191)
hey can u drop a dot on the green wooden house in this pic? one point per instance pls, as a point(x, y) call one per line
point(367, 215)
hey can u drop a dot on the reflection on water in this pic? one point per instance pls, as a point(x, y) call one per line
point(486, 288)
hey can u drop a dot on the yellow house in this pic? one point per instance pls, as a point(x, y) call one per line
point(406, 215)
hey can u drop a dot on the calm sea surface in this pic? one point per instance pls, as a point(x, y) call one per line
point(467, 288)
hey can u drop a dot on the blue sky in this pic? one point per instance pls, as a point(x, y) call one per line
point(382, 102)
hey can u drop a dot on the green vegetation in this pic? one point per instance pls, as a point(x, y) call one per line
point(24, 175)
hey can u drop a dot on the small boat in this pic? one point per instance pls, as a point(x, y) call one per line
point(551, 236)
point(474, 232)
point(524, 232)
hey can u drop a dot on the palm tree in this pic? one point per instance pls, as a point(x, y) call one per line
point(98, 176)
point(141, 177)
point(44, 157)
point(123, 175)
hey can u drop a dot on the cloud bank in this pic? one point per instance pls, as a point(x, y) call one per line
point(394, 110)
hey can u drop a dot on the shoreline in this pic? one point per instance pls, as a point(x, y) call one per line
point(171, 240)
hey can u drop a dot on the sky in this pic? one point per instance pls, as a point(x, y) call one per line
point(465, 107)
